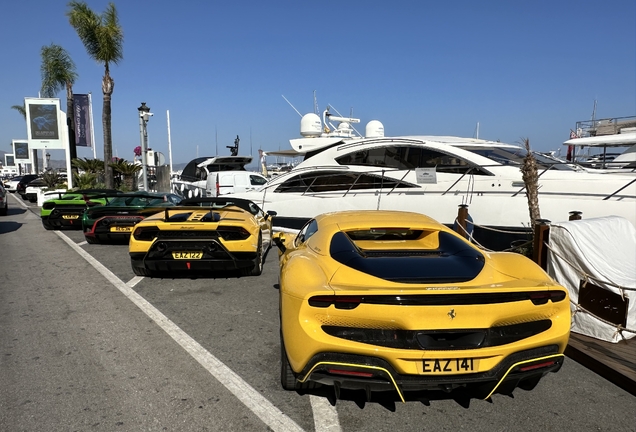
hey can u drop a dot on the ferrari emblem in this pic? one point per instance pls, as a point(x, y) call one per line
point(451, 314)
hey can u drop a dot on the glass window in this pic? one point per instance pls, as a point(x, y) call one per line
point(408, 158)
point(338, 181)
point(257, 180)
point(306, 232)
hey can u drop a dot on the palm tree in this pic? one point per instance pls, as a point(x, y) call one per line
point(128, 171)
point(58, 72)
point(21, 109)
point(94, 166)
point(103, 39)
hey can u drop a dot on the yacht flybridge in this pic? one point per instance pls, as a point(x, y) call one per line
point(431, 175)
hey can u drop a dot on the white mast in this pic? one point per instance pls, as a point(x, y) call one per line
point(90, 117)
point(169, 141)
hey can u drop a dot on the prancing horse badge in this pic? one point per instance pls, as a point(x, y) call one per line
point(451, 314)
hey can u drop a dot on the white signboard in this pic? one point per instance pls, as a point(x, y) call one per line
point(426, 175)
point(21, 150)
point(46, 124)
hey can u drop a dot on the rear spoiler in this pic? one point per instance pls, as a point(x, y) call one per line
point(167, 210)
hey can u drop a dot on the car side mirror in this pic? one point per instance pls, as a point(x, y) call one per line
point(272, 213)
point(279, 241)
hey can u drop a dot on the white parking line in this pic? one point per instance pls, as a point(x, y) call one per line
point(18, 200)
point(82, 243)
point(134, 281)
point(325, 415)
point(252, 399)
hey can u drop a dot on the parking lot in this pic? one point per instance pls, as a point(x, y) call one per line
point(203, 354)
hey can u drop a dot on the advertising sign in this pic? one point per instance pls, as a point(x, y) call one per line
point(45, 125)
point(82, 116)
point(9, 160)
point(21, 150)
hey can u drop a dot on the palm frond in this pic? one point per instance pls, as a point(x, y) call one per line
point(21, 109)
point(57, 69)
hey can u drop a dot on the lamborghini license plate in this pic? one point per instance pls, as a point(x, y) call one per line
point(187, 255)
point(449, 366)
point(121, 229)
point(70, 216)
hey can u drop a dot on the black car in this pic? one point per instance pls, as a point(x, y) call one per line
point(22, 184)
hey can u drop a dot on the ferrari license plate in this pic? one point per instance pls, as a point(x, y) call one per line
point(121, 229)
point(449, 366)
point(187, 255)
point(70, 216)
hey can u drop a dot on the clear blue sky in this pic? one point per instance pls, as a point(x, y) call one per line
point(520, 69)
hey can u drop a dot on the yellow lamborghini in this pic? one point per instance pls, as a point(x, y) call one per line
point(389, 301)
point(202, 236)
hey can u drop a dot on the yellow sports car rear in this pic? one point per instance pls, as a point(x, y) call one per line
point(394, 301)
point(216, 235)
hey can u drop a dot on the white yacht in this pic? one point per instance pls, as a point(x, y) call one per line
point(431, 175)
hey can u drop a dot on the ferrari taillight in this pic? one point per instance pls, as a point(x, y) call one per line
point(542, 297)
point(340, 302)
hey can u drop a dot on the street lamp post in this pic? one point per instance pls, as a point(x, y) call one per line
point(144, 116)
point(48, 160)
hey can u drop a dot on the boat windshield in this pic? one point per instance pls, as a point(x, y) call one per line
point(514, 156)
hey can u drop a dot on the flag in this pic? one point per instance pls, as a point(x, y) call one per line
point(83, 122)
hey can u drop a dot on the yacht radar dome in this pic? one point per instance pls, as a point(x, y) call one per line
point(310, 126)
point(374, 129)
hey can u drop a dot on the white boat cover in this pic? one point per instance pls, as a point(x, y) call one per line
point(601, 251)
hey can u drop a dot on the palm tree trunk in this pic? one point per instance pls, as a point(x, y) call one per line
point(70, 123)
point(530, 177)
point(107, 89)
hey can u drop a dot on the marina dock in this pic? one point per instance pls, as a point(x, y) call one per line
point(616, 362)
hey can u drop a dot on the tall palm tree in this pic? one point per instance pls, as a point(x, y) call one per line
point(58, 72)
point(103, 39)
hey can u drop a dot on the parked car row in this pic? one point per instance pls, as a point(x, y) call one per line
point(4, 204)
point(373, 301)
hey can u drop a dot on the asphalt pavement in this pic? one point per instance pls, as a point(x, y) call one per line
point(87, 345)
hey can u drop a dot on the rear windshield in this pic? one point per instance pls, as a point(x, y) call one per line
point(451, 261)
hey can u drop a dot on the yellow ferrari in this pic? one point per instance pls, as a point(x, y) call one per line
point(389, 301)
point(202, 236)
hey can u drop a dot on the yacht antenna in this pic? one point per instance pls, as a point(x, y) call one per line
point(352, 127)
point(315, 104)
point(301, 116)
point(216, 139)
point(477, 131)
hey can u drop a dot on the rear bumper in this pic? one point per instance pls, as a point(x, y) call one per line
point(345, 371)
point(102, 228)
point(216, 257)
point(57, 222)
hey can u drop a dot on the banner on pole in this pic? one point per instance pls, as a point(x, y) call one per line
point(82, 113)
point(44, 126)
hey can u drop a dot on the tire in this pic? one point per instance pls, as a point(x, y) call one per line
point(46, 225)
point(287, 378)
point(140, 271)
point(91, 240)
point(257, 269)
